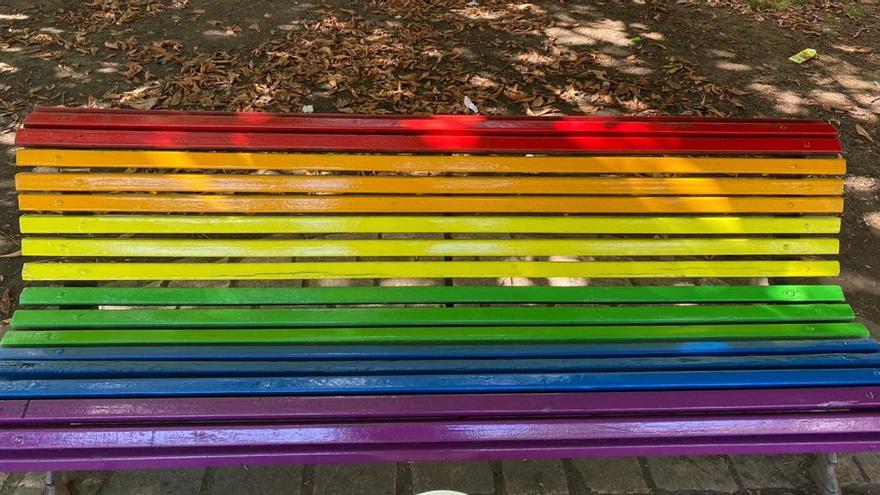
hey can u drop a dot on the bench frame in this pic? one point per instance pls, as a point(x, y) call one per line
point(567, 423)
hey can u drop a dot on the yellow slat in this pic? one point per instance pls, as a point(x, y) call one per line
point(425, 163)
point(391, 247)
point(217, 224)
point(425, 269)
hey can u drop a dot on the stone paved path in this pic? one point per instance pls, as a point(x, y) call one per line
point(858, 474)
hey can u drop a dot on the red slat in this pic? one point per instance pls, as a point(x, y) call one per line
point(426, 143)
point(440, 124)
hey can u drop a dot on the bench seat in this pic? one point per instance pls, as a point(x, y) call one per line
point(221, 289)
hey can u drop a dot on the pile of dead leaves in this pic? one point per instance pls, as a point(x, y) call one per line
point(412, 60)
point(389, 56)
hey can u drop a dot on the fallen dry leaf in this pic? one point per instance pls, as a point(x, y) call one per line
point(865, 134)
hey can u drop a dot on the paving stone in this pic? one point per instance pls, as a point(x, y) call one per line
point(473, 478)
point(773, 471)
point(848, 472)
point(156, 482)
point(870, 464)
point(255, 480)
point(704, 473)
point(30, 484)
point(534, 478)
point(615, 475)
point(86, 482)
point(354, 479)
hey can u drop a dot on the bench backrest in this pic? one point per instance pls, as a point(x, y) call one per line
point(125, 195)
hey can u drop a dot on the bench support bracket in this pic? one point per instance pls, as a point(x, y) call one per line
point(822, 473)
point(51, 488)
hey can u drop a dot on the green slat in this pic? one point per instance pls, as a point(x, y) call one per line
point(20, 338)
point(432, 316)
point(191, 296)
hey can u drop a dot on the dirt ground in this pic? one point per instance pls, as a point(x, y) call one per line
point(697, 57)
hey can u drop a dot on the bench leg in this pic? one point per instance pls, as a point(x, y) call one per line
point(50, 483)
point(822, 472)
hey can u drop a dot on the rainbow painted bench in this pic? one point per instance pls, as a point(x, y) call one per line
point(514, 288)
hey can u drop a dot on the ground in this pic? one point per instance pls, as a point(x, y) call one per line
point(696, 57)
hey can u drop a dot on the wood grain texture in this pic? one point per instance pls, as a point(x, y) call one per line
point(449, 406)
point(241, 224)
point(49, 246)
point(197, 296)
point(425, 269)
point(432, 124)
point(426, 143)
point(267, 184)
point(55, 370)
point(434, 335)
point(70, 319)
point(492, 350)
point(194, 203)
point(69, 158)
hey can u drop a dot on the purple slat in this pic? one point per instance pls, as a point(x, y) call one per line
point(126, 458)
point(12, 411)
point(441, 406)
point(383, 434)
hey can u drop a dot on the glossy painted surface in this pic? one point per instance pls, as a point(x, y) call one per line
point(331, 352)
point(53, 246)
point(404, 335)
point(216, 203)
point(460, 143)
point(434, 124)
point(62, 370)
point(342, 408)
point(425, 269)
point(476, 382)
point(136, 296)
point(427, 432)
point(68, 158)
point(766, 443)
point(25, 319)
point(264, 184)
point(437, 383)
point(241, 224)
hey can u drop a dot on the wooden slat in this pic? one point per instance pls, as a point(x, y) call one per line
point(426, 269)
point(492, 350)
point(266, 184)
point(159, 296)
point(224, 444)
point(465, 143)
point(47, 246)
point(434, 124)
point(403, 335)
point(192, 203)
point(487, 406)
point(31, 319)
point(69, 158)
point(422, 384)
point(187, 224)
point(54, 370)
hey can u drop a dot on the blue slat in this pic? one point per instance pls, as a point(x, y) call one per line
point(37, 370)
point(488, 351)
point(425, 384)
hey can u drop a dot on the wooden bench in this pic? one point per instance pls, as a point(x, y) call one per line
point(603, 297)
